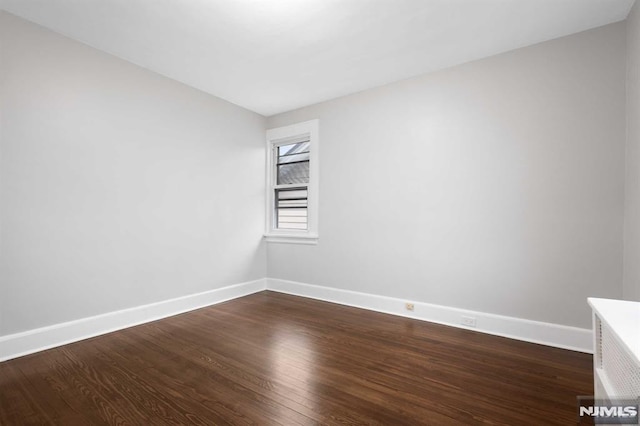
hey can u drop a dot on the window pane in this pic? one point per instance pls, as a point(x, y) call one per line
point(291, 208)
point(292, 193)
point(293, 173)
point(289, 219)
point(294, 148)
point(293, 163)
point(293, 158)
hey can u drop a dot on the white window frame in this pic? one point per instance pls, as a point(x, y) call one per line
point(281, 136)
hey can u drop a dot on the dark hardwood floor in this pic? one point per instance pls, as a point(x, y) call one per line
point(271, 358)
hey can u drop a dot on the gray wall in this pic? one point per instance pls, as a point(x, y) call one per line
point(495, 186)
point(631, 289)
point(118, 187)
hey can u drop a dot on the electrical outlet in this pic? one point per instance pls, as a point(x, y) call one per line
point(468, 321)
point(409, 306)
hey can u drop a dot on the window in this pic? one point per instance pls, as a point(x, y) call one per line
point(292, 183)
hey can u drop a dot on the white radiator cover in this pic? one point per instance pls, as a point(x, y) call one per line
point(616, 359)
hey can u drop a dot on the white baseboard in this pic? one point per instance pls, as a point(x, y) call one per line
point(560, 336)
point(19, 344)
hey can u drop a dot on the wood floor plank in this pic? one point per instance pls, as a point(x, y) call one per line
point(18, 404)
point(275, 359)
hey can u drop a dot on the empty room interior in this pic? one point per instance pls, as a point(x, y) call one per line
point(285, 212)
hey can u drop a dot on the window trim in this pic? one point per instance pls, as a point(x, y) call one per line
point(283, 136)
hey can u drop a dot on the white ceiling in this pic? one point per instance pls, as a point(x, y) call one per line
point(272, 56)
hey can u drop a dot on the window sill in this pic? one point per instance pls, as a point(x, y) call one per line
point(291, 239)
